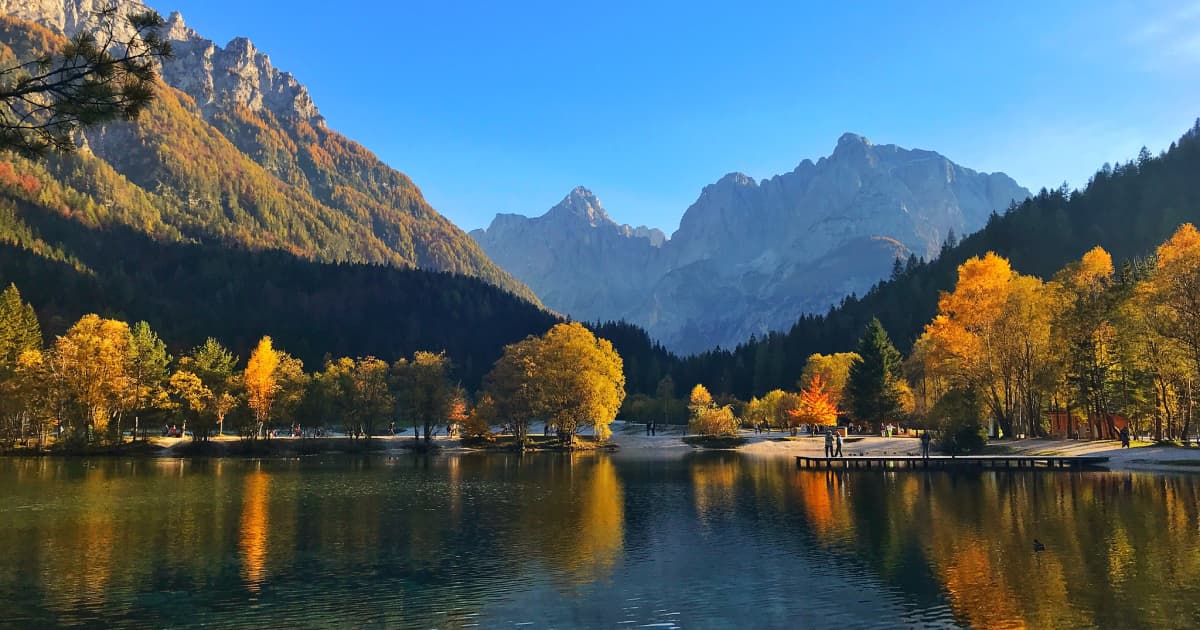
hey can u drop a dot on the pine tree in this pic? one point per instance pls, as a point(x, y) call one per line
point(19, 330)
point(871, 391)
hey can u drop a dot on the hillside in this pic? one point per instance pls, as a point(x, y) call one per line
point(750, 256)
point(189, 291)
point(234, 152)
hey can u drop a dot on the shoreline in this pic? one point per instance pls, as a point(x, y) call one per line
point(630, 442)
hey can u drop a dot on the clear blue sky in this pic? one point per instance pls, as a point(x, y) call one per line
point(505, 106)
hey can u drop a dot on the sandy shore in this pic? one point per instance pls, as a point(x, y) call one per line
point(632, 442)
point(1142, 456)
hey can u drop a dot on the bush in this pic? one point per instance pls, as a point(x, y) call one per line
point(958, 417)
point(715, 441)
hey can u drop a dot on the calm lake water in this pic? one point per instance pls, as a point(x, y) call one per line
point(712, 539)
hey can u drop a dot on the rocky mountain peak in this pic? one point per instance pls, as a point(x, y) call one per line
point(176, 29)
point(765, 250)
point(852, 145)
point(237, 75)
point(581, 203)
point(850, 139)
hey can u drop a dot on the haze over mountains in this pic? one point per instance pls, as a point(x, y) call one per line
point(749, 257)
point(238, 153)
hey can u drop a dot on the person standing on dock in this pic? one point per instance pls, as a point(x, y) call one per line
point(838, 453)
point(925, 440)
point(828, 443)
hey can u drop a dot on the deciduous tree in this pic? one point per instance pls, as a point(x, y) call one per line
point(261, 383)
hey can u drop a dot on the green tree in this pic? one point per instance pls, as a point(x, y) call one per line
point(872, 391)
point(96, 77)
point(958, 416)
point(424, 392)
point(214, 364)
point(148, 362)
point(19, 328)
point(20, 356)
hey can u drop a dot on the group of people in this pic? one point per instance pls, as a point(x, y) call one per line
point(833, 443)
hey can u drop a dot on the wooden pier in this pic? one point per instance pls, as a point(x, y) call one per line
point(945, 462)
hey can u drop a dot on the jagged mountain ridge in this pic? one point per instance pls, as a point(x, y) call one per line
point(751, 256)
point(235, 151)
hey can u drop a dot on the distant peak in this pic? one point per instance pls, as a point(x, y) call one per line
point(849, 140)
point(582, 193)
point(581, 203)
point(737, 179)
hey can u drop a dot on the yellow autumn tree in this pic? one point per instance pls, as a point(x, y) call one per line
point(706, 417)
point(581, 380)
point(1174, 291)
point(834, 370)
point(261, 383)
point(90, 366)
point(1084, 331)
point(568, 378)
point(991, 335)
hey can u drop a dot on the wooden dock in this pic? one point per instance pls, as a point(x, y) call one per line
point(945, 462)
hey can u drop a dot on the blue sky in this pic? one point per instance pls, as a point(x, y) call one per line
point(506, 106)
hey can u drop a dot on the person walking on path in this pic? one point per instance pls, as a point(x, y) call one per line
point(925, 440)
point(1124, 437)
point(828, 443)
point(838, 453)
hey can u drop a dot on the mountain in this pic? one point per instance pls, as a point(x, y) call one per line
point(233, 151)
point(750, 256)
point(1129, 209)
point(584, 262)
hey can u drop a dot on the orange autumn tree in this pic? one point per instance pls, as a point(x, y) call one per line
point(817, 404)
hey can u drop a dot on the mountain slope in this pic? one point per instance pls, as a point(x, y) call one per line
point(234, 151)
point(750, 256)
point(190, 291)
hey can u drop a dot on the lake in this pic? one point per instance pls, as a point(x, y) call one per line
point(712, 539)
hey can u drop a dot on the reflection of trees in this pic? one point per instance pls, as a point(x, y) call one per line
point(714, 477)
point(576, 522)
point(254, 534)
point(1114, 542)
point(1123, 550)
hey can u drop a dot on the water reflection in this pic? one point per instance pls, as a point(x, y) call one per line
point(254, 528)
point(589, 539)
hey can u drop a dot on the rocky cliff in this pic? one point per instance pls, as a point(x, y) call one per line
point(236, 151)
point(751, 256)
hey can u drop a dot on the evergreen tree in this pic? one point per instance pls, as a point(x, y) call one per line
point(148, 360)
point(19, 329)
point(871, 391)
